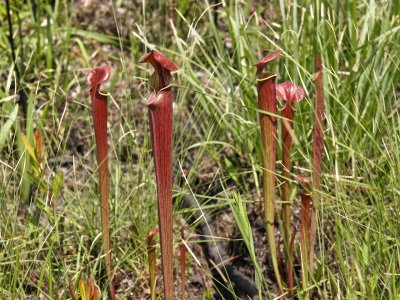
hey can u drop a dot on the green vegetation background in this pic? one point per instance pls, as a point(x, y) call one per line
point(49, 216)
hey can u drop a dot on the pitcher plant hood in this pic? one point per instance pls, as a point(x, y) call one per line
point(163, 67)
point(97, 76)
point(289, 92)
point(263, 62)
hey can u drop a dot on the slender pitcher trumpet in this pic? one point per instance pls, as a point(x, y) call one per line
point(159, 104)
point(291, 94)
point(318, 147)
point(99, 107)
point(268, 105)
point(305, 224)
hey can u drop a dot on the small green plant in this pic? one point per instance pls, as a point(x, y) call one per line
point(160, 108)
point(88, 290)
point(99, 107)
point(7, 126)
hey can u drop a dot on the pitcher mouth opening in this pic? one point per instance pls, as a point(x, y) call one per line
point(103, 93)
point(265, 76)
